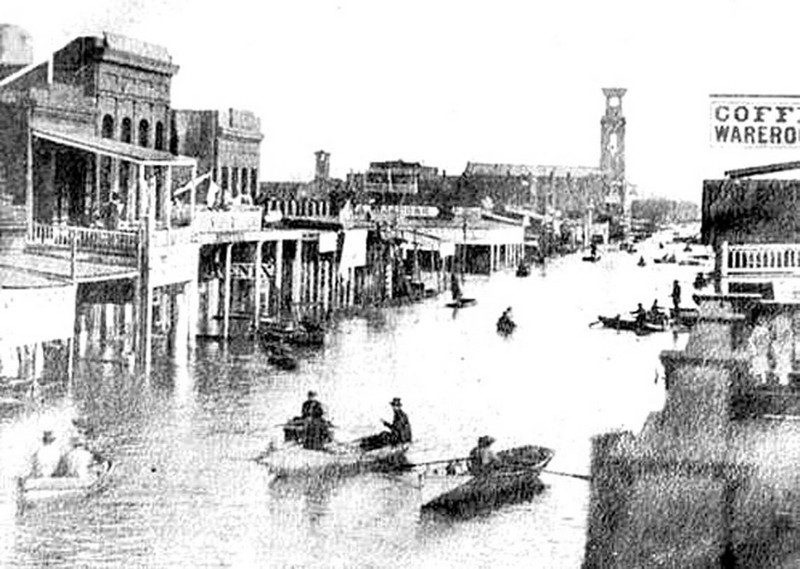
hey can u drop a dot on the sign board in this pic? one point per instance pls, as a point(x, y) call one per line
point(30, 315)
point(754, 121)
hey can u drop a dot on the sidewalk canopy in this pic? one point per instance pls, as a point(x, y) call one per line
point(112, 148)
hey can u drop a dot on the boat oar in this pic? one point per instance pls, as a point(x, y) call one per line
point(569, 474)
point(595, 322)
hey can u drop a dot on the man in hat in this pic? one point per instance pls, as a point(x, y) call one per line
point(400, 427)
point(46, 459)
point(311, 406)
point(481, 458)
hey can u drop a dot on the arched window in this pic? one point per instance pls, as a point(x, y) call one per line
point(127, 127)
point(159, 142)
point(144, 132)
point(107, 129)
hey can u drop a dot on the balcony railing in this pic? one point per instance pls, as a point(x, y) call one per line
point(760, 258)
point(85, 239)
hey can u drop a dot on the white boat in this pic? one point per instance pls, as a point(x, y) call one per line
point(39, 489)
point(337, 459)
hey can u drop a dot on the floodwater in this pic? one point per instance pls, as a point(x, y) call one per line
point(185, 492)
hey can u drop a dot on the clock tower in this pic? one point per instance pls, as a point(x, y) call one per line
point(612, 155)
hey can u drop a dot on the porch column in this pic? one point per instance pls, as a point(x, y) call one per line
point(192, 194)
point(226, 309)
point(491, 259)
point(324, 284)
point(192, 289)
point(257, 284)
point(141, 191)
point(29, 172)
point(297, 274)
point(279, 277)
point(168, 196)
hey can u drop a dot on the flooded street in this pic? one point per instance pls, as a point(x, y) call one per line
point(185, 492)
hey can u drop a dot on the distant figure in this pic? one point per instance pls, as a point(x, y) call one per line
point(593, 249)
point(676, 294)
point(46, 459)
point(641, 262)
point(699, 281)
point(506, 324)
point(77, 462)
point(311, 406)
point(317, 433)
point(481, 458)
point(455, 288)
point(113, 210)
point(655, 309)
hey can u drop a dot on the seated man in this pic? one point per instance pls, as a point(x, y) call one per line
point(46, 459)
point(78, 461)
point(640, 314)
point(481, 458)
point(317, 434)
point(311, 406)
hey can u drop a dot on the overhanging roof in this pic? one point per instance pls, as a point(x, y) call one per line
point(113, 148)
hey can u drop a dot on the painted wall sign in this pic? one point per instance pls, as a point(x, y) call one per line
point(756, 121)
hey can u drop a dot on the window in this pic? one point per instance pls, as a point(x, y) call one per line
point(234, 182)
point(244, 181)
point(224, 178)
point(107, 129)
point(254, 182)
point(144, 132)
point(159, 143)
point(127, 127)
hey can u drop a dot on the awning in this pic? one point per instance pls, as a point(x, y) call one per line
point(113, 148)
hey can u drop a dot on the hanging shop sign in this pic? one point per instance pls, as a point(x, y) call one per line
point(754, 121)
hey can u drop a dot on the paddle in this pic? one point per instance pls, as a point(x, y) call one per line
point(595, 322)
point(569, 474)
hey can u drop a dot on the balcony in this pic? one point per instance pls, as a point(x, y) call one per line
point(770, 259)
point(85, 239)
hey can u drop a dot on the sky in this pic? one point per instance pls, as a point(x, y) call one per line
point(447, 82)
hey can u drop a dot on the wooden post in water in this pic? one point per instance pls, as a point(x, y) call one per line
point(226, 308)
point(279, 278)
point(257, 284)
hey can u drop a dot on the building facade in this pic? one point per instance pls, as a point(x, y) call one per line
point(226, 143)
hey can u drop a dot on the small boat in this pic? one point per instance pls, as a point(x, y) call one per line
point(523, 270)
point(294, 430)
point(35, 490)
point(592, 258)
point(515, 477)
point(506, 326)
point(461, 303)
point(620, 323)
point(304, 333)
point(280, 356)
point(337, 459)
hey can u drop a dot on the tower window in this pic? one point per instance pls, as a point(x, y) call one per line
point(144, 132)
point(127, 127)
point(159, 142)
point(107, 129)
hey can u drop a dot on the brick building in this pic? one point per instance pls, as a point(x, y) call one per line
point(226, 143)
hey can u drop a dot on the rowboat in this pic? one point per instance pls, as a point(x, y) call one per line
point(620, 323)
point(461, 303)
point(452, 489)
point(591, 258)
point(337, 459)
point(523, 270)
point(47, 489)
point(302, 334)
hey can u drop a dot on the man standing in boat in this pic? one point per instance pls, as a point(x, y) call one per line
point(482, 457)
point(317, 433)
point(455, 288)
point(676, 295)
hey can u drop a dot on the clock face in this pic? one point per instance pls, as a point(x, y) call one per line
point(613, 102)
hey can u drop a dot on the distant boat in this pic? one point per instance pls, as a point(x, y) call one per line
point(592, 258)
point(619, 323)
point(523, 270)
point(461, 303)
